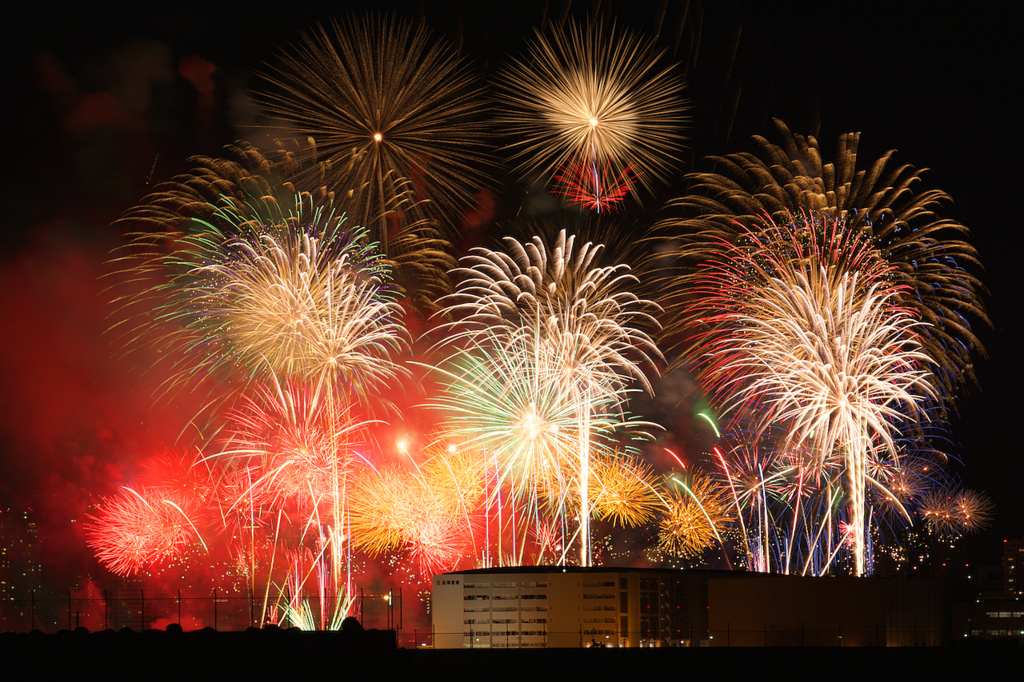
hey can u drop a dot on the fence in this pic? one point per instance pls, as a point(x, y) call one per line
point(223, 611)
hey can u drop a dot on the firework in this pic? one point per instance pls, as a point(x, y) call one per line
point(788, 502)
point(327, 610)
point(499, 401)
point(291, 452)
point(178, 474)
point(208, 198)
point(930, 259)
point(974, 510)
point(136, 530)
point(581, 316)
point(297, 445)
point(807, 329)
point(594, 97)
point(384, 104)
point(187, 201)
point(294, 294)
point(583, 183)
point(398, 509)
point(951, 512)
point(697, 513)
point(576, 330)
point(622, 490)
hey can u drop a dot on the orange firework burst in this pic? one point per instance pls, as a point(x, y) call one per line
point(379, 514)
point(696, 515)
point(950, 513)
point(622, 490)
point(456, 477)
point(396, 509)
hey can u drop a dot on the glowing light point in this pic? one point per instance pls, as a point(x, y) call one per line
point(377, 137)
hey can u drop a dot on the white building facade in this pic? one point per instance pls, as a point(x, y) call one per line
point(565, 607)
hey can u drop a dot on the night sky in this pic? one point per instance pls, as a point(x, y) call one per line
point(104, 104)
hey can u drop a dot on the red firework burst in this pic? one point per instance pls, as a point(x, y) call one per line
point(138, 529)
point(581, 182)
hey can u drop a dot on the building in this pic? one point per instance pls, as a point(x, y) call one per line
point(21, 567)
point(569, 607)
point(997, 611)
point(544, 607)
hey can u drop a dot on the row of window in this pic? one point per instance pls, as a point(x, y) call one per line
point(502, 597)
point(485, 621)
point(487, 586)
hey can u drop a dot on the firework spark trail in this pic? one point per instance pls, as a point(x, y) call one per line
point(818, 345)
point(576, 322)
point(594, 95)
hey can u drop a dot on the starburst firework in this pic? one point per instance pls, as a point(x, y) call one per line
point(298, 445)
point(288, 292)
point(383, 104)
point(623, 490)
point(951, 512)
point(424, 514)
point(595, 97)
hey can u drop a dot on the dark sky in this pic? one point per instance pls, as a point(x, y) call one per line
point(104, 103)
